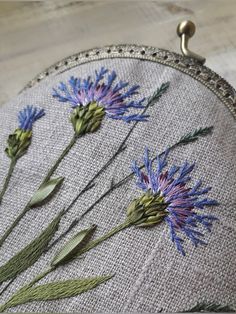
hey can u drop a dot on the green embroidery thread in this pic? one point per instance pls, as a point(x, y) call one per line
point(201, 133)
point(8, 178)
point(45, 191)
point(19, 141)
point(210, 307)
point(155, 97)
point(69, 250)
point(52, 291)
point(30, 254)
point(61, 289)
point(184, 140)
point(151, 100)
point(29, 205)
point(42, 195)
point(193, 136)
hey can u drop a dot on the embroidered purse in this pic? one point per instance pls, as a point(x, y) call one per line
point(117, 185)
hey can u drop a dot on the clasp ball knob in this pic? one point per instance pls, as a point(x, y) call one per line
point(186, 28)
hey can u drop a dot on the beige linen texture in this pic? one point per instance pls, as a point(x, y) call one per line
point(150, 274)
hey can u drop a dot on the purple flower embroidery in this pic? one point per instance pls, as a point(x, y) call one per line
point(28, 116)
point(180, 205)
point(104, 93)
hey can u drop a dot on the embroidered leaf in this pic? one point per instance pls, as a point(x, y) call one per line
point(30, 254)
point(45, 191)
point(193, 136)
point(157, 94)
point(55, 290)
point(121, 182)
point(210, 307)
point(69, 250)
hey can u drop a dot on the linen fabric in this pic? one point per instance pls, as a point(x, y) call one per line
point(149, 273)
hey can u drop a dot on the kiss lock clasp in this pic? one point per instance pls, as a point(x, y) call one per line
point(186, 30)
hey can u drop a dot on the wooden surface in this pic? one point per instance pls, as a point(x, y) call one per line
point(33, 35)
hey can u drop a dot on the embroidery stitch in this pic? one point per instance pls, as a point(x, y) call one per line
point(184, 140)
point(29, 254)
point(19, 141)
point(91, 101)
point(168, 198)
point(60, 289)
point(210, 307)
point(88, 98)
point(158, 93)
point(53, 291)
point(68, 251)
point(224, 91)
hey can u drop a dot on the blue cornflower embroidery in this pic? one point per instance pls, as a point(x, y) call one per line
point(92, 100)
point(167, 197)
point(28, 116)
point(19, 141)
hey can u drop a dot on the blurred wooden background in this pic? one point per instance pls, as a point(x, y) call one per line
point(35, 34)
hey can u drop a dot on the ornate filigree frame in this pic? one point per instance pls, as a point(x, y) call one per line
point(203, 74)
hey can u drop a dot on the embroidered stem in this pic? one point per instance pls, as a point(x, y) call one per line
point(16, 298)
point(89, 185)
point(110, 190)
point(155, 97)
point(106, 236)
point(120, 149)
point(39, 277)
point(48, 175)
point(63, 154)
point(7, 178)
point(150, 102)
point(13, 225)
point(89, 246)
point(19, 141)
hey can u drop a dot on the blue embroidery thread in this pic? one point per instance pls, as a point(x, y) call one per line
point(112, 100)
point(19, 141)
point(179, 205)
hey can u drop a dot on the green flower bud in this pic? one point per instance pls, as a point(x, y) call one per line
point(148, 210)
point(18, 143)
point(87, 119)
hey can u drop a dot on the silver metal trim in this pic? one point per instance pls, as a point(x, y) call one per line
point(221, 88)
